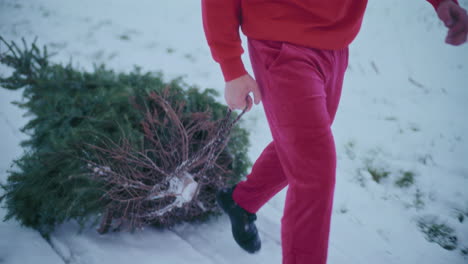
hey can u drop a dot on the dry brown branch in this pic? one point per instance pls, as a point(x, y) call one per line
point(163, 177)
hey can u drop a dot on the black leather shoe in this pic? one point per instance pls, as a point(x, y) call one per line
point(242, 222)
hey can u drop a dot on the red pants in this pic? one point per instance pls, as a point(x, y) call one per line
point(300, 89)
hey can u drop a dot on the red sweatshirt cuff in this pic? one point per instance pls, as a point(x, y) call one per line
point(436, 3)
point(232, 68)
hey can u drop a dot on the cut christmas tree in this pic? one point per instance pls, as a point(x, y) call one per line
point(125, 149)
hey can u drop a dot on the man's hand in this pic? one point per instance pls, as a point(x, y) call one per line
point(456, 19)
point(236, 92)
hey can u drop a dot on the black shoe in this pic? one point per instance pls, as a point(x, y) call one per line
point(243, 228)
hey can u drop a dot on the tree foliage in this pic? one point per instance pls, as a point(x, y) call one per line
point(71, 112)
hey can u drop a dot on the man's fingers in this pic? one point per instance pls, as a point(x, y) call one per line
point(457, 35)
point(249, 102)
point(257, 94)
point(461, 40)
point(457, 29)
point(445, 16)
point(458, 40)
point(237, 93)
point(233, 105)
point(241, 104)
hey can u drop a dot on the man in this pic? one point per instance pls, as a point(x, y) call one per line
point(299, 54)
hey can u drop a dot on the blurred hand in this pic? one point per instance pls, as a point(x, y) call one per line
point(236, 92)
point(456, 19)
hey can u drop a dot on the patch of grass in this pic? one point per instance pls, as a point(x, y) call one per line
point(425, 159)
point(98, 55)
point(464, 251)
point(349, 149)
point(406, 180)
point(439, 233)
point(377, 173)
point(376, 169)
point(418, 202)
point(390, 118)
point(414, 127)
point(461, 214)
point(112, 55)
point(343, 209)
point(461, 218)
point(45, 12)
point(124, 37)
point(190, 57)
point(360, 178)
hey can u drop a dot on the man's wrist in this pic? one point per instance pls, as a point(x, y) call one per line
point(232, 68)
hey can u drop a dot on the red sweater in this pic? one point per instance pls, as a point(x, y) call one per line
point(323, 24)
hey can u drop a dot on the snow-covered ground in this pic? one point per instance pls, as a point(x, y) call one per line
point(403, 112)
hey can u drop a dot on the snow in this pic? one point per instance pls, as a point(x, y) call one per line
point(188, 189)
point(20, 245)
point(402, 109)
point(183, 188)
